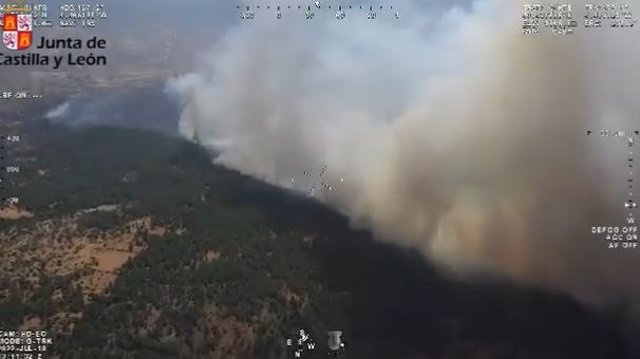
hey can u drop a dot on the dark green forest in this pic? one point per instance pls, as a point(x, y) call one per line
point(389, 302)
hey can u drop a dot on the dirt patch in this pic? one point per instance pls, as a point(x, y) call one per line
point(212, 255)
point(14, 212)
point(110, 260)
point(96, 282)
point(103, 208)
point(157, 231)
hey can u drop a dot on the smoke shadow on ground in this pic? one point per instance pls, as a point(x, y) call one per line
point(398, 305)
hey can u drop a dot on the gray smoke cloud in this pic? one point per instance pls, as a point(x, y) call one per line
point(449, 132)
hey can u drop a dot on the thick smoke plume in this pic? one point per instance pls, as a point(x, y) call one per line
point(451, 132)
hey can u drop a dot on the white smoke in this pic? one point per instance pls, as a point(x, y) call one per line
point(59, 111)
point(453, 134)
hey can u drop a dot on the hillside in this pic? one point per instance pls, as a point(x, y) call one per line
point(131, 244)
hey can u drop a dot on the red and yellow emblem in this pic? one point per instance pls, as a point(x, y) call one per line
point(17, 31)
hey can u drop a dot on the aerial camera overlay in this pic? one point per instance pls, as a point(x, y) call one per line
point(363, 180)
